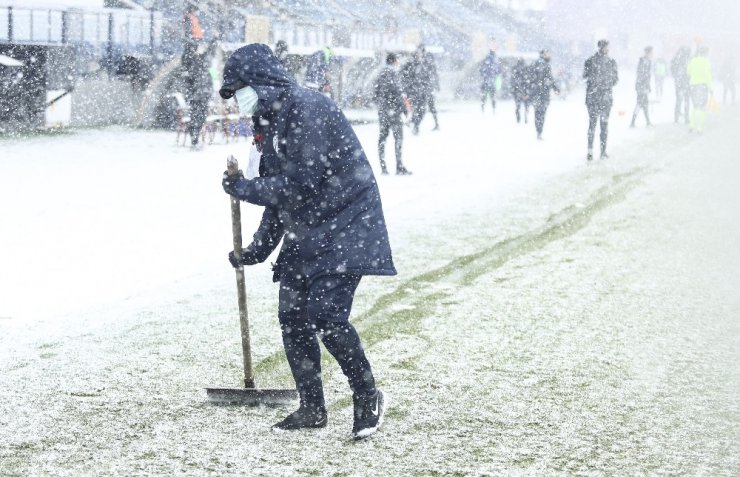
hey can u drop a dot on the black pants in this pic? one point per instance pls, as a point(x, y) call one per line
point(198, 114)
point(433, 109)
point(390, 123)
point(419, 102)
point(321, 308)
point(519, 102)
point(540, 110)
point(642, 103)
point(598, 112)
point(682, 103)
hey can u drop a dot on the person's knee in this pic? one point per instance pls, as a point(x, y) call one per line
point(324, 309)
point(330, 298)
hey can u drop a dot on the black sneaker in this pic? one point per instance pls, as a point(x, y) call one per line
point(604, 155)
point(402, 171)
point(369, 412)
point(304, 418)
point(590, 156)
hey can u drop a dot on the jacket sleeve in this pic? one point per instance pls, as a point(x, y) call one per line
point(587, 69)
point(265, 239)
point(305, 165)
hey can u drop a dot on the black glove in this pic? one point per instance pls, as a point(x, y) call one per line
point(236, 263)
point(229, 183)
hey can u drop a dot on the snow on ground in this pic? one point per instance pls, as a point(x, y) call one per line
point(549, 316)
point(100, 216)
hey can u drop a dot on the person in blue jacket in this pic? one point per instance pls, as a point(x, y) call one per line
point(489, 69)
point(318, 70)
point(322, 200)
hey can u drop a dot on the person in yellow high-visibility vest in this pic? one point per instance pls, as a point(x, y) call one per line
point(700, 80)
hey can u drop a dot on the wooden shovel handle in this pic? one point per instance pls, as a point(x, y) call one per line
point(232, 169)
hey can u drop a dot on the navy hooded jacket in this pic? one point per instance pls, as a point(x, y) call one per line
point(317, 187)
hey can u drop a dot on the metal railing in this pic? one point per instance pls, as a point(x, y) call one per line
point(128, 30)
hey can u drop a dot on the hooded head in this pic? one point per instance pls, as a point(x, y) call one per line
point(257, 66)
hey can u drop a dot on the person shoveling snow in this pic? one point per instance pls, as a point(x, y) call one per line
point(320, 198)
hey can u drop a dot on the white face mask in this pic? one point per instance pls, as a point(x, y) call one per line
point(247, 99)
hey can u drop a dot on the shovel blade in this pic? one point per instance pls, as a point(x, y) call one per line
point(251, 396)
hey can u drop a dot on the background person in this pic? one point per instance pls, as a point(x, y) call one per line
point(542, 83)
point(489, 70)
point(700, 82)
point(418, 78)
point(661, 71)
point(601, 75)
point(391, 104)
point(642, 86)
point(679, 65)
point(521, 86)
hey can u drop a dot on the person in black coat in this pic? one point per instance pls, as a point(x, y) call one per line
point(322, 200)
point(419, 79)
point(542, 83)
point(601, 75)
point(198, 86)
point(432, 84)
point(521, 86)
point(679, 71)
point(642, 85)
point(391, 104)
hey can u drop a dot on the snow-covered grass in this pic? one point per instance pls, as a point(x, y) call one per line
point(539, 323)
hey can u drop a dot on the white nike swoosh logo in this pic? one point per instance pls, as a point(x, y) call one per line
point(375, 411)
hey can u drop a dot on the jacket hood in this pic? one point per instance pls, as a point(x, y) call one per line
point(257, 66)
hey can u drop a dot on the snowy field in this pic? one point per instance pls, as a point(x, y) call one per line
point(550, 316)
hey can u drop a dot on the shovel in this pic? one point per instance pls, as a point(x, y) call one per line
point(249, 394)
